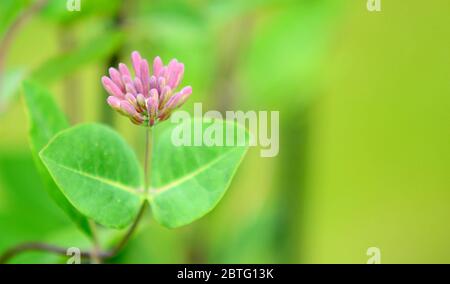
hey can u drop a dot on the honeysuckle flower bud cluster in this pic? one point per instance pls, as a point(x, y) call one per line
point(146, 98)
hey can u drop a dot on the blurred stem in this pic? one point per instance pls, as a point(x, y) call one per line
point(96, 255)
point(236, 37)
point(97, 248)
point(13, 30)
point(33, 246)
point(118, 22)
point(294, 163)
point(71, 83)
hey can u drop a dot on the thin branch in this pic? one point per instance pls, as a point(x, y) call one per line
point(96, 250)
point(15, 28)
point(9, 254)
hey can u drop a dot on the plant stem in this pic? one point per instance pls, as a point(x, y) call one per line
point(148, 159)
point(14, 29)
point(96, 254)
point(97, 248)
point(39, 247)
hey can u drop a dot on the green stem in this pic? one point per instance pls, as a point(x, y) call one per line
point(148, 159)
point(96, 250)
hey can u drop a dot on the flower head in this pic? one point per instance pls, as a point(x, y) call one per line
point(146, 98)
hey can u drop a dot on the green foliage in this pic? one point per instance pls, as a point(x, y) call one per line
point(97, 49)
point(97, 171)
point(188, 182)
point(9, 10)
point(45, 120)
point(298, 37)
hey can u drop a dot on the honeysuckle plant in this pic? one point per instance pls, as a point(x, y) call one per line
point(94, 175)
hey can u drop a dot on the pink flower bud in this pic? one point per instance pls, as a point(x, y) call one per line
point(131, 99)
point(145, 76)
point(146, 98)
point(153, 82)
point(127, 109)
point(157, 66)
point(111, 88)
point(141, 101)
point(130, 88)
point(114, 102)
point(124, 71)
point(116, 78)
point(138, 85)
point(136, 59)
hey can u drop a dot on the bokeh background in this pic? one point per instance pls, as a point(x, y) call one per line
point(364, 101)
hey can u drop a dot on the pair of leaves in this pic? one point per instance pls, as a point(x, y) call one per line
point(99, 175)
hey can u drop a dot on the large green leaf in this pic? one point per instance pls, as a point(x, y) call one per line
point(64, 64)
point(189, 181)
point(98, 173)
point(45, 120)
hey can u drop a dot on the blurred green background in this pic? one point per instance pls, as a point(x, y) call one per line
point(364, 101)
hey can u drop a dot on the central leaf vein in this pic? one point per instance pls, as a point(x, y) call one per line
point(100, 179)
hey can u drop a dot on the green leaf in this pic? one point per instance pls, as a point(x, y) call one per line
point(64, 64)
point(189, 181)
point(45, 120)
point(98, 173)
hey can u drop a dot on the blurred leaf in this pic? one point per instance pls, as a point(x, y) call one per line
point(45, 120)
point(9, 10)
point(9, 86)
point(27, 213)
point(177, 22)
point(188, 182)
point(64, 64)
point(56, 10)
point(297, 38)
point(98, 173)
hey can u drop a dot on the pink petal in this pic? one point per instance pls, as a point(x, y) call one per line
point(136, 59)
point(138, 85)
point(131, 89)
point(164, 96)
point(111, 87)
point(131, 99)
point(145, 76)
point(116, 78)
point(127, 108)
point(124, 71)
point(179, 76)
point(157, 66)
point(114, 102)
point(161, 83)
point(153, 82)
